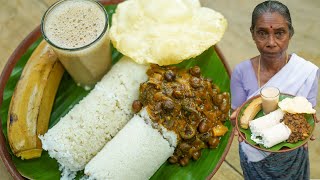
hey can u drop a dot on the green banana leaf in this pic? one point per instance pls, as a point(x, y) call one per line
point(70, 94)
point(281, 146)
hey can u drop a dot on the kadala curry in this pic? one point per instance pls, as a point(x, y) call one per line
point(185, 102)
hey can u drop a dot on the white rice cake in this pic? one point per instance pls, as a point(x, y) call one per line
point(135, 153)
point(275, 135)
point(83, 132)
point(264, 122)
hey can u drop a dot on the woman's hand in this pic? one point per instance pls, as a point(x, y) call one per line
point(233, 117)
point(312, 138)
point(233, 122)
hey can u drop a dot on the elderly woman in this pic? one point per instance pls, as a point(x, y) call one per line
point(271, 30)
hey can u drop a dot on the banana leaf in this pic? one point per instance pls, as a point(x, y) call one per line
point(70, 94)
point(283, 146)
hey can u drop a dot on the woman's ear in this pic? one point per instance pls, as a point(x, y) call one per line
point(252, 34)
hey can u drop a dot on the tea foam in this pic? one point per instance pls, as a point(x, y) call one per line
point(74, 24)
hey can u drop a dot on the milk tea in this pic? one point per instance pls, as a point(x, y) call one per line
point(270, 99)
point(78, 32)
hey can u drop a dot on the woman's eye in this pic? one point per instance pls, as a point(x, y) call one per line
point(279, 34)
point(262, 35)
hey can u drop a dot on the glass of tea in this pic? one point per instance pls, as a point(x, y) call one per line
point(77, 30)
point(270, 98)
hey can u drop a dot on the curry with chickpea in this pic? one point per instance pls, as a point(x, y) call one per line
point(187, 103)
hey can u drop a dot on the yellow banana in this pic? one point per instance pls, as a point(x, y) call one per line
point(250, 112)
point(32, 101)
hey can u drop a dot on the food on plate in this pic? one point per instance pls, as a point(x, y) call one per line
point(165, 32)
point(286, 124)
point(268, 130)
point(297, 104)
point(96, 119)
point(275, 135)
point(299, 126)
point(295, 109)
point(183, 101)
point(31, 102)
point(264, 122)
point(136, 152)
point(250, 112)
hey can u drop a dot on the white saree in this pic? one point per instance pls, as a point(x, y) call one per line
point(295, 78)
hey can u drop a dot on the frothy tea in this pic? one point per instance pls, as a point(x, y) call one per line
point(270, 99)
point(77, 30)
point(74, 24)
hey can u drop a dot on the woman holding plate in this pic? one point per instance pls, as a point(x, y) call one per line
point(271, 29)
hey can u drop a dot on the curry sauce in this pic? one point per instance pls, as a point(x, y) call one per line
point(187, 103)
point(299, 126)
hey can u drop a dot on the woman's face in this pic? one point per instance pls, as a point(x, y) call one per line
point(271, 35)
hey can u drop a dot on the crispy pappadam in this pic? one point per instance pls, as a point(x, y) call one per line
point(297, 104)
point(165, 31)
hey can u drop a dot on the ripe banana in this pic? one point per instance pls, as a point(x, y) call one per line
point(250, 112)
point(32, 101)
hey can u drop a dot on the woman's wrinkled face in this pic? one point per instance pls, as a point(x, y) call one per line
point(271, 34)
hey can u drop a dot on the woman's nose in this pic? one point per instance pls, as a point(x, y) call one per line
point(271, 41)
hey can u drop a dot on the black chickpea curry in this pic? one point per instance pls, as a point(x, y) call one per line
point(299, 126)
point(187, 103)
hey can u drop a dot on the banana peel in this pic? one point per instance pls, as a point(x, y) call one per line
point(250, 112)
point(32, 101)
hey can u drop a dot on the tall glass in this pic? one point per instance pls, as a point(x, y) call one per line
point(270, 98)
point(78, 32)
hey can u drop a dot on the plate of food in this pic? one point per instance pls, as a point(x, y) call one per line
point(284, 129)
point(196, 150)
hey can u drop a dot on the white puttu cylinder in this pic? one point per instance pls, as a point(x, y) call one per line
point(265, 122)
point(83, 132)
point(275, 135)
point(135, 153)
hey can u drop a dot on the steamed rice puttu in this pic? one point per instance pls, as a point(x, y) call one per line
point(135, 153)
point(275, 135)
point(264, 122)
point(170, 136)
point(96, 119)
